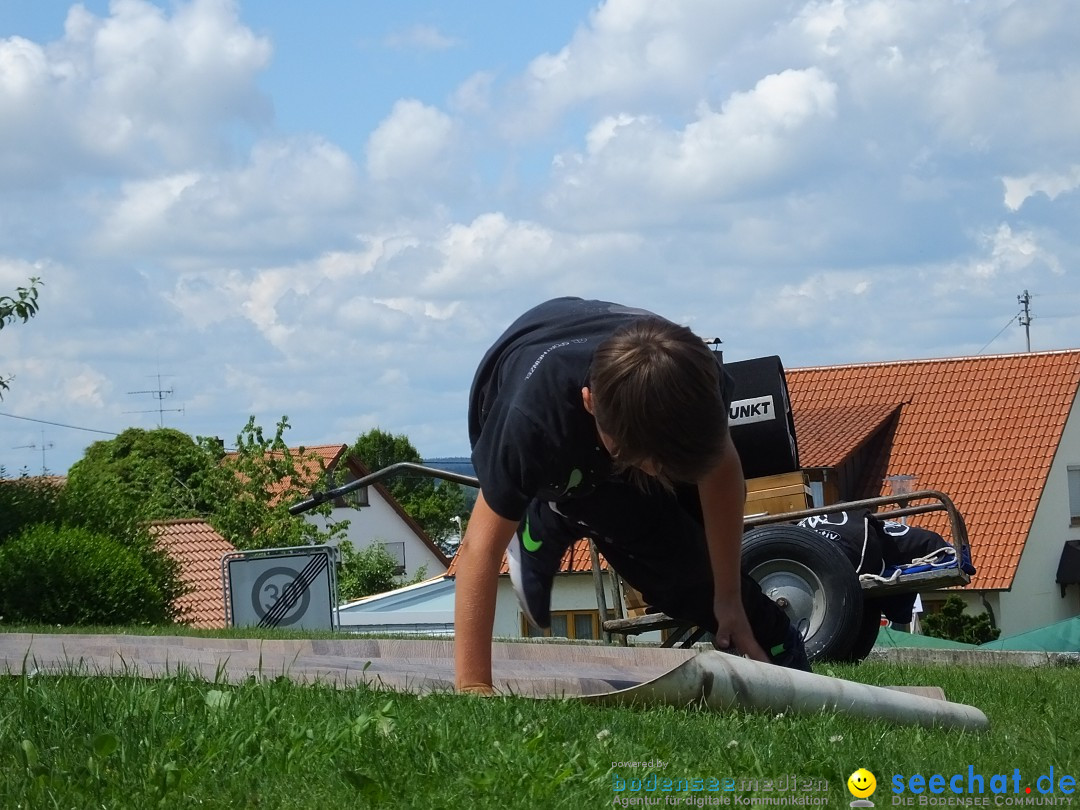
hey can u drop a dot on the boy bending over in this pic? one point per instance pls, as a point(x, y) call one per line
point(591, 419)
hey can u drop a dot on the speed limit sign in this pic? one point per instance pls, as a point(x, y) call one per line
point(294, 587)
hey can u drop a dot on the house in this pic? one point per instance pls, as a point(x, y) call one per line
point(421, 608)
point(374, 515)
point(574, 610)
point(999, 434)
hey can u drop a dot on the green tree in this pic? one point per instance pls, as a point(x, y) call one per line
point(952, 623)
point(121, 484)
point(142, 475)
point(22, 307)
point(249, 492)
point(431, 502)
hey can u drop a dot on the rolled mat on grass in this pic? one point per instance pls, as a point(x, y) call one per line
point(598, 674)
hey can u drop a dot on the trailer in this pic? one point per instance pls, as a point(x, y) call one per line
point(835, 609)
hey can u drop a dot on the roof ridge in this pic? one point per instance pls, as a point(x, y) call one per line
point(976, 357)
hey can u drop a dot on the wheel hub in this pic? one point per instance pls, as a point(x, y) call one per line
point(797, 590)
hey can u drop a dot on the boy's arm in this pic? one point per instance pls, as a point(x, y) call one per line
point(479, 557)
point(723, 496)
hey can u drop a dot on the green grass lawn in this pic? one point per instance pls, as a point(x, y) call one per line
point(75, 742)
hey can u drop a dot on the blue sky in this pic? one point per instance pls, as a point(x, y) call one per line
point(328, 210)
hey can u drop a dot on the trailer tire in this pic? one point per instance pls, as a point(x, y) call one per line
point(867, 633)
point(812, 581)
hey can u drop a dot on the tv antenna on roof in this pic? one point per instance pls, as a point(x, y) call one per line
point(44, 446)
point(160, 394)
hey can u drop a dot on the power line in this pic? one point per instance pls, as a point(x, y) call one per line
point(59, 424)
point(995, 337)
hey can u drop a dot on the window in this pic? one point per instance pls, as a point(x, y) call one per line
point(397, 554)
point(575, 624)
point(358, 497)
point(1074, 494)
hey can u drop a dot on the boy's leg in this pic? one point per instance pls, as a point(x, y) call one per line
point(657, 545)
point(534, 556)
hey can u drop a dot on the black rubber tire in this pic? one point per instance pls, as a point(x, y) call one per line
point(866, 635)
point(821, 591)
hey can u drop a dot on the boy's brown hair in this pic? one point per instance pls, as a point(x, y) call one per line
point(656, 394)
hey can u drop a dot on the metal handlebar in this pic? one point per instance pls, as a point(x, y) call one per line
point(318, 498)
point(903, 502)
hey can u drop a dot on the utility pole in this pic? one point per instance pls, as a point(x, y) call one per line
point(1025, 318)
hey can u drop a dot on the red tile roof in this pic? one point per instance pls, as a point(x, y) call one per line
point(984, 430)
point(829, 435)
point(198, 549)
point(311, 464)
point(577, 560)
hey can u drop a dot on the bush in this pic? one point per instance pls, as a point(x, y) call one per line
point(72, 576)
point(367, 572)
point(953, 624)
point(27, 500)
point(35, 501)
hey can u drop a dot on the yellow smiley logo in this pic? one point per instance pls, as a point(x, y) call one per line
point(861, 783)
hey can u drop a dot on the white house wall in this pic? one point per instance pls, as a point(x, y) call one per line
point(381, 523)
point(1035, 598)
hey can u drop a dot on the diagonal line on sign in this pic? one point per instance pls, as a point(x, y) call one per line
point(292, 592)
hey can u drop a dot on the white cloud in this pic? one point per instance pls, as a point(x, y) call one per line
point(1052, 184)
point(17, 273)
point(411, 144)
point(422, 38)
point(821, 297)
point(498, 253)
point(288, 193)
point(129, 91)
point(88, 386)
point(1007, 252)
point(637, 166)
point(473, 96)
point(630, 51)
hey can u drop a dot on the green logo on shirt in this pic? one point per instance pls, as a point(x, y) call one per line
point(575, 479)
point(526, 539)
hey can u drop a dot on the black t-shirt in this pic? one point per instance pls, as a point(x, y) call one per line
point(531, 436)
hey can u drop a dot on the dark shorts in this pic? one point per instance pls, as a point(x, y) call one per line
point(655, 540)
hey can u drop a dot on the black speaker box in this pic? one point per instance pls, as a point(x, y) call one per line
point(760, 419)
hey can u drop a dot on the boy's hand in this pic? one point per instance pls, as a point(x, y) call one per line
point(733, 632)
point(484, 689)
point(478, 560)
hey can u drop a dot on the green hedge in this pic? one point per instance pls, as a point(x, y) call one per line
point(26, 500)
point(73, 576)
